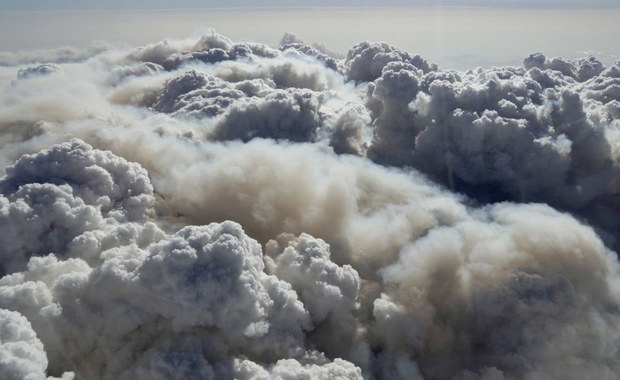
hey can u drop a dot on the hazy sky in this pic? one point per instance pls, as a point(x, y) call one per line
point(457, 38)
point(454, 37)
point(154, 4)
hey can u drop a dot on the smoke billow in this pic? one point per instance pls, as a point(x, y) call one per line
point(218, 209)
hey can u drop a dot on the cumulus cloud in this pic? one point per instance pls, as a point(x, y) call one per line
point(515, 291)
point(219, 209)
point(136, 70)
point(117, 187)
point(580, 69)
point(54, 201)
point(21, 353)
point(44, 69)
point(319, 52)
point(538, 133)
point(291, 115)
point(365, 61)
point(197, 94)
point(328, 291)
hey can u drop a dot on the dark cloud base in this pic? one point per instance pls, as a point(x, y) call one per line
point(213, 209)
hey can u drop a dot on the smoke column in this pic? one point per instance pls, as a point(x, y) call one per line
point(205, 208)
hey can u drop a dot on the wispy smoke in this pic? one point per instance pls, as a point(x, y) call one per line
point(212, 209)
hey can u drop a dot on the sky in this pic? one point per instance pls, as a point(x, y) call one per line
point(458, 38)
point(165, 4)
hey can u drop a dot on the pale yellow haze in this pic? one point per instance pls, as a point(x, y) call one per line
point(454, 37)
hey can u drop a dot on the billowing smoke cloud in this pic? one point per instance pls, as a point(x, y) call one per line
point(218, 209)
point(506, 133)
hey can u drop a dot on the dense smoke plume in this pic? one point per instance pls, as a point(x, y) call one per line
point(217, 209)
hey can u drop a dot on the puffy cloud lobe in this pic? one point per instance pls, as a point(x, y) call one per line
point(290, 69)
point(194, 93)
point(289, 369)
point(328, 291)
point(21, 353)
point(211, 48)
point(61, 201)
point(161, 364)
point(136, 70)
point(549, 78)
point(213, 276)
point(323, 286)
point(208, 55)
point(40, 219)
point(155, 53)
point(310, 51)
point(489, 150)
point(90, 244)
point(579, 69)
point(604, 88)
point(613, 108)
point(350, 130)
point(121, 189)
point(289, 115)
point(164, 365)
point(291, 41)
point(388, 99)
point(33, 71)
point(199, 95)
point(365, 61)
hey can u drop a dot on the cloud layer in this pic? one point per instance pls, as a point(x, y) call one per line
point(213, 209)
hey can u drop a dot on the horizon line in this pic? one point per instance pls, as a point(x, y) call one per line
point(310, 7)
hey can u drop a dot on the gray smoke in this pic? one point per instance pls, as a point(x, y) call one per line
point(216, 209)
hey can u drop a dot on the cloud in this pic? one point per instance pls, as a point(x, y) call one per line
point(57, 199)
point(580, 69)
point(292, 115)
point(526, 134)
point(365, 61)
point(328, 291)
point(209, 208)
point(196, 94)
point(515, 290)
point(118, 188)
point(51, 56)
point(21, 353)
point(47, 68)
